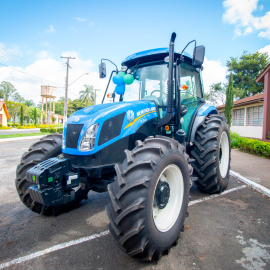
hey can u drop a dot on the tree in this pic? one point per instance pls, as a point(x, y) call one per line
point(13, 109)
point(229, 101)
point(245, 70)
point(88, 95)
point(74, 106)
point(1, 93)
point(21, 116)
point(29, 103)
point(8, 89)
point(217, 94)
point(53, 119)
point(18, 98)
point(31, 112)
point(35, 116)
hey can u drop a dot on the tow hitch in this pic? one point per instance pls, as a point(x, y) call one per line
point(55, 182)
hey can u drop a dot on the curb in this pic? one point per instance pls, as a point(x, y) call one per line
point(20, 138)
point(265, 191)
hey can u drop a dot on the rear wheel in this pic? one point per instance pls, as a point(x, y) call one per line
point(149, 198)
point(47, 147)
point(212, 154)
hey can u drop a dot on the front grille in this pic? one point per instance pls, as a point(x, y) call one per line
point(72, 135)
point(111, 128)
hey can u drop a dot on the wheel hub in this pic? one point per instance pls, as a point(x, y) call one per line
point(162, 194)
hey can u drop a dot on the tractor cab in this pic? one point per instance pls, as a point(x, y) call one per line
point(148, 74)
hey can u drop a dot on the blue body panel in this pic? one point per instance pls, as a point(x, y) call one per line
point(143, 111)
point(152, 52)
point(207, 109)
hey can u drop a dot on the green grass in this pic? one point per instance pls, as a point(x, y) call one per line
point(22, 135)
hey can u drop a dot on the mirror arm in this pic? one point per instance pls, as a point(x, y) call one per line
point(181, 55)
point(111, 62)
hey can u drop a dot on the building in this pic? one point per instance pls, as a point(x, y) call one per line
point(4, 115)
point(247, 116)
point(59, 119)
point(251, 115)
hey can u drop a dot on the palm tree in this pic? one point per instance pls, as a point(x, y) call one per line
point(88, 94)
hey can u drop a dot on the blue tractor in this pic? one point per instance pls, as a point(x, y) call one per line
point(152, 137)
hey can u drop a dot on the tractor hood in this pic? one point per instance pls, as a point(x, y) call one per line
point(115, 121)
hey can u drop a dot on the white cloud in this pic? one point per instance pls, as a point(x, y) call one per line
point(80, 19)
point(240, 14)
point(55, 72)
point(213, 72)
point(91, 24)
point(43, 55)
point(50, 30)
point(265, 49)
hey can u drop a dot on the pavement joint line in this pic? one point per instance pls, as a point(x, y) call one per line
point(94, 236)
point(265, 191)
point(52, 249)
point(215, 196)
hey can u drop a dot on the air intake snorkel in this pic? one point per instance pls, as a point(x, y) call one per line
point(169, 115)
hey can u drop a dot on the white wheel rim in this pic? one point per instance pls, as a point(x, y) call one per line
point(224, 154)
point(165, 218)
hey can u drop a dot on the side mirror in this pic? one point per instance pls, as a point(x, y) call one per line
point(102, 70)
point(198, 56)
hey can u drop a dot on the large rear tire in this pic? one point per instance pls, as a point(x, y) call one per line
point(212, 154)
point(47, 147)
point(149, 198)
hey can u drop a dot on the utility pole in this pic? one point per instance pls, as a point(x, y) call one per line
point(66, 92)
point(96, 95)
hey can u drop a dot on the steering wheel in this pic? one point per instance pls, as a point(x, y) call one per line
point(154, 91)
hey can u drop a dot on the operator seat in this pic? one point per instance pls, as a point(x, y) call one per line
point(153, 98)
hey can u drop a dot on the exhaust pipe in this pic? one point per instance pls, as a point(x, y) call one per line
point(169, 115)
point(170, 81)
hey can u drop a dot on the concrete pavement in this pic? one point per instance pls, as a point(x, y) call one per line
point(256, 169)
point(230, 231)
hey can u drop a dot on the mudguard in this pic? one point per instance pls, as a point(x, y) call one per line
point(204, 110)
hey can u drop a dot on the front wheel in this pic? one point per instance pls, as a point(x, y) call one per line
point(149, 198)
point(47, 147)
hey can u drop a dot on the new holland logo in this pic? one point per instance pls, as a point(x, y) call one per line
point(130, 116)
point(76, 119)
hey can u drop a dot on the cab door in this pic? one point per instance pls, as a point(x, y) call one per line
point(191, 94)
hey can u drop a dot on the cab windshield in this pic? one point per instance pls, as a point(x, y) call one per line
point(150, 83)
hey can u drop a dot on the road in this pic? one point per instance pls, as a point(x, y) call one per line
point(19, 131)
point(230, 231)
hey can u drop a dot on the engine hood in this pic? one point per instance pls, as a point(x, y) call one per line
point(136, 113)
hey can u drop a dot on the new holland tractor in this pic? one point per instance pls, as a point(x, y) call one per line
point(152, 137)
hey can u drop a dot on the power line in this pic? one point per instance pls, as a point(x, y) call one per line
point(25, 80)
point(28, 74)
point(18, 60)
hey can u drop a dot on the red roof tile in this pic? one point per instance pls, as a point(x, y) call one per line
point(243, 101)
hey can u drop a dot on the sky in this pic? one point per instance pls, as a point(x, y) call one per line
point(35, 34)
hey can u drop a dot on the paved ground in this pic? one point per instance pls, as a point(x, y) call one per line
point(19, 131)
point(254, 168)
point(227, 232)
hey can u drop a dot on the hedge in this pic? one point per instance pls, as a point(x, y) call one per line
point(51, 130)
point(1, 127)
point(251, 146)
point(46, 126)
point(26, 127)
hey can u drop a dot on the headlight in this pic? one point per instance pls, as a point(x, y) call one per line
point(89, 138)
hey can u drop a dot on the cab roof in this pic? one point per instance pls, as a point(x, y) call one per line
point(153, 55)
